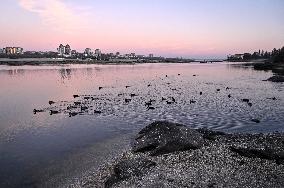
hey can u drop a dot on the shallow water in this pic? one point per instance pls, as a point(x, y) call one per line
point(40, 148)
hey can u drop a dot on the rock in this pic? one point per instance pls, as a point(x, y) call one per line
point(127, 169)
point(276, 79)
point(165, 137)
point(255, 120)
point(262, 153)
point(209, 134)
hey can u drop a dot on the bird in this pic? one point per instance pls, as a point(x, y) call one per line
point(246, 100)
point(201, 93)
point(192, 101)
point(51, 102)
point(218, 89)
point(75, 96)
point(100, 88)
point(229, 96)
point(250, 104)
point(127, 86)
point(127, 100)
point(97, 112)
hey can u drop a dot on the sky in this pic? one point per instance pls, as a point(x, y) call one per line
point(171, 28)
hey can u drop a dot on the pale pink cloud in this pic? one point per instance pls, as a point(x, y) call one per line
point(57, 14)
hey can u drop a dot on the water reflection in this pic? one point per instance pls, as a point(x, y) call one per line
point(43, 145)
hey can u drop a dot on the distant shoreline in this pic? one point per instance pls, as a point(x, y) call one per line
point(59, 61)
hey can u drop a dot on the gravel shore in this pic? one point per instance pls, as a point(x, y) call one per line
point(211, 159)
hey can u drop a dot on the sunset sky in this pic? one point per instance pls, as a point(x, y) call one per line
point(187, 28)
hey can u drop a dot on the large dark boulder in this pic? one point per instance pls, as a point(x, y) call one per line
point(129, 168)
point(165, 137)
point(277, 78)
point(262, 153)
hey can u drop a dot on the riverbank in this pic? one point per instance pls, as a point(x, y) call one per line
point(50, 61)
point(171, 155)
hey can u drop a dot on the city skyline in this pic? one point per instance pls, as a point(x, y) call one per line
point(166, 28)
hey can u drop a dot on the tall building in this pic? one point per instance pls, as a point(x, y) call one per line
point(68, 50)
point(98, 52)
point(13, 50)
point(88, 52)
point(64, 50)
point(151, 55)
point(2, 51)
point(61, 50)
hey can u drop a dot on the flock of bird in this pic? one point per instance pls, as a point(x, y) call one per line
point(99, 104)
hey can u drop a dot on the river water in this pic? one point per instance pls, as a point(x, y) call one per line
point(49, 150)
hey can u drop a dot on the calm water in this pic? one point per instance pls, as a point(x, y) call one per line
point(41, 149)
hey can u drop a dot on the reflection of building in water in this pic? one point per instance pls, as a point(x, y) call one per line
point(14, 72)
point(65, 73)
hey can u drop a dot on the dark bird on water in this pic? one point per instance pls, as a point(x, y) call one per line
point(75, 96)
point(194, 75)
point(53, 112)
point(77, 103)
point(218, 89)
point(245, 100)
point(127, 100)
point(36, 111)
point(133, 95)
point(71, 114)
point(97, 112)
point(127, 86)
point(100, 88)
point(163, 99)
point(173, 99)
point(83, 108)
point(51, 102)
point(151, 108)
point(192, 101)
point(149, 85)
point(229, 96)
point(250, 104)
point(200, 93)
